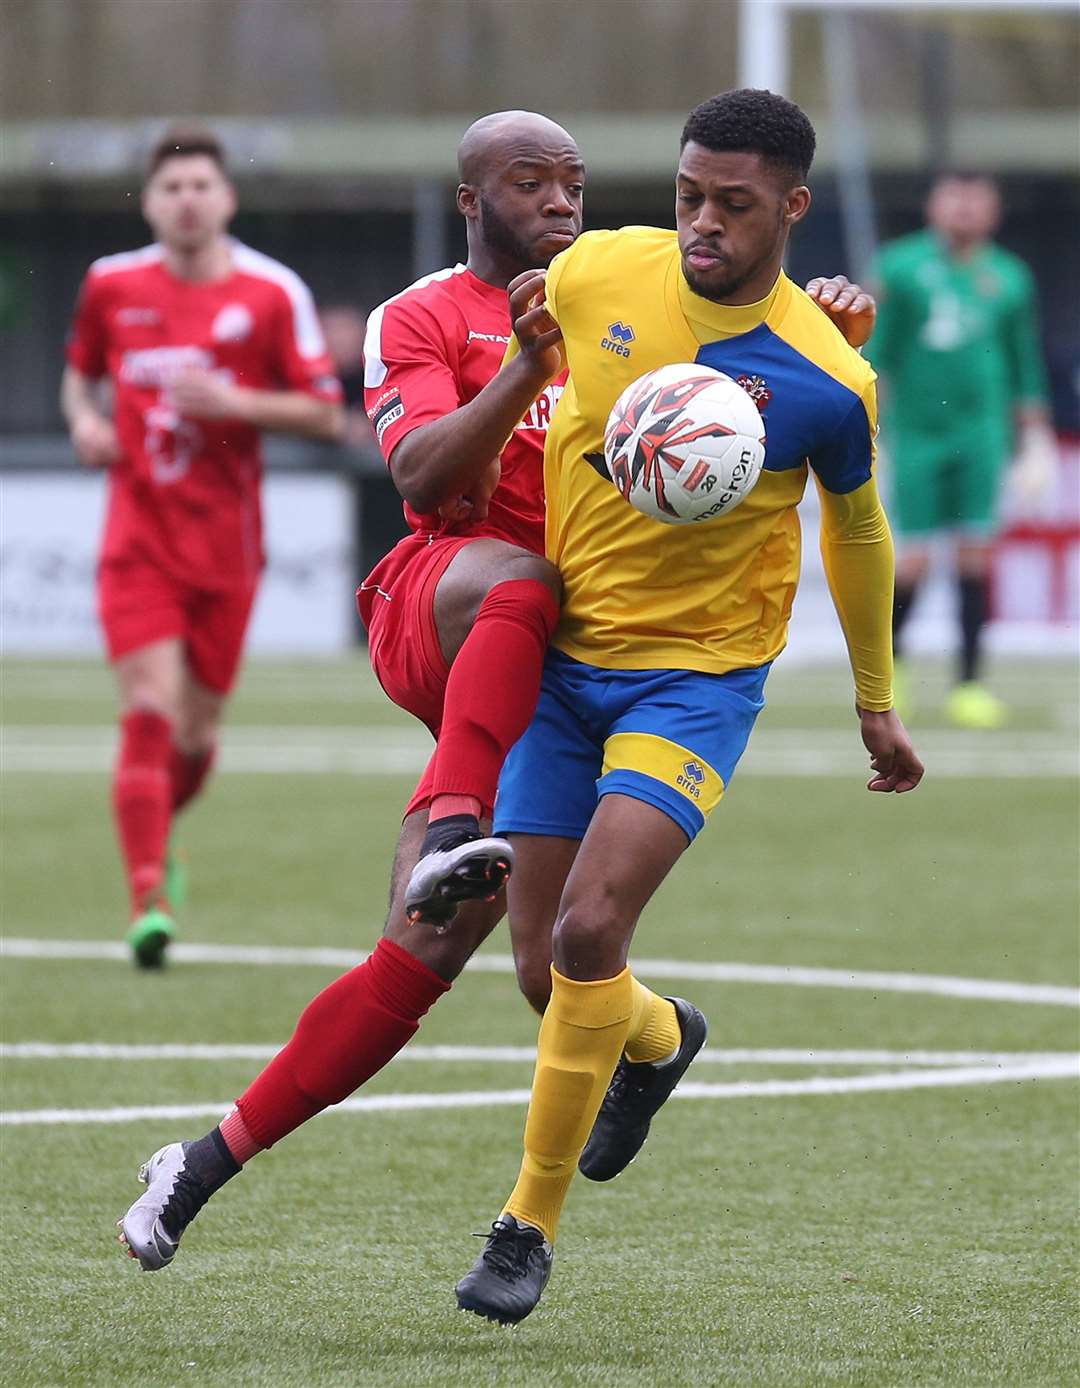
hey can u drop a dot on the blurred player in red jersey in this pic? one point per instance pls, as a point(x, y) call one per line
point(459, 615)
point(206, 343)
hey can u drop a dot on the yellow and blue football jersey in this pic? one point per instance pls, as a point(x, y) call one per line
point(714, 597)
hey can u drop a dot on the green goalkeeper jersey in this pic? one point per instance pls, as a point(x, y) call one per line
point(956, 340)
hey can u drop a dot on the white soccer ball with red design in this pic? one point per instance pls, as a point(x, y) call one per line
point(684, 443)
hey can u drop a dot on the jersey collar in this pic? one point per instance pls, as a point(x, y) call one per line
point(708, 321)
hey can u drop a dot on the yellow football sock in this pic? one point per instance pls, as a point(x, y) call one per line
point(581, 1039)
point(654, 1027)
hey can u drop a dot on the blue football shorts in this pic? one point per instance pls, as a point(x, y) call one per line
point(671, 738)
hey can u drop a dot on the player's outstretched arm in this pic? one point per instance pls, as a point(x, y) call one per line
point(848, 305)
point(457, 455)
point(857, 551)
point(93, 436)
point(202, 394)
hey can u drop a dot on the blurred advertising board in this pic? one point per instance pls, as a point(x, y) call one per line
point(50, 522)
point(49, 528)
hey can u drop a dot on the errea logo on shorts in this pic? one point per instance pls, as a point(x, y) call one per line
point(618, 339)
point(677, 767)
point(691, 779)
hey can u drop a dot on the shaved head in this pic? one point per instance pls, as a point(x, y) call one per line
point(520, 193)
point(503, 136)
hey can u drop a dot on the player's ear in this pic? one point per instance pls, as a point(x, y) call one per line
point(148, 203)
point(796, 205)
point(468, 200)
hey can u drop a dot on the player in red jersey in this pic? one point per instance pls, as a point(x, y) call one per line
point(458, 614)
point(206, 343)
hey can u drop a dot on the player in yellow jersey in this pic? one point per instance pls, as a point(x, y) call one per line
point(658, 666)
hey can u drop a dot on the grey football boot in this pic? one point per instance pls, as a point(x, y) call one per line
point(151, 1229)
point(473, 869)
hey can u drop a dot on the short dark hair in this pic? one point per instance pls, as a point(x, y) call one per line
point(963, 175)
point(755, 122)
point(182, 140)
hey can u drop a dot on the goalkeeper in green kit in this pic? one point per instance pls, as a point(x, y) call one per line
point(957, 346)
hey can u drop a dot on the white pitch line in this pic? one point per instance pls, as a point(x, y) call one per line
point(102, 1050)
point(495, 1098)
point(938, 985)
point(379, 750)
point(287, 955)
point(1066, 1067)
point(794, 975)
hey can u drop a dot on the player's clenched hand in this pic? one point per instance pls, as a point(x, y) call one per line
point(473, 506)
point(850, 307)
point(94, 438)
point(892, 757)
point(200, 394)
point(537, 332)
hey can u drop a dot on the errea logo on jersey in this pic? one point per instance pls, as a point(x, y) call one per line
point(618, 339)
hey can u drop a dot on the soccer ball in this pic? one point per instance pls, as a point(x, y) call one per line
point(684, 443)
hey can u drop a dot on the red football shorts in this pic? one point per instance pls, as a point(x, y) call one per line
point(397, 605)
point(138, 603)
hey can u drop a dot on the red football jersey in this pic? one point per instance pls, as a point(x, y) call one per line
point(433, 348)
point(186, 491)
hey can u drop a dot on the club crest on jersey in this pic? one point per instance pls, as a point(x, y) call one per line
point(618, 339)
point(757, 390)
point(233, 323)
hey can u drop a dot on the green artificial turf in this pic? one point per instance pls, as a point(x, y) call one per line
point(911, 1237)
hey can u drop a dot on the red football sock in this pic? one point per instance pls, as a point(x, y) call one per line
point(343, 1037)
point(142, 796)
point(452, 806)
point(234, 1133)
point(493, 688)
point(187, 773)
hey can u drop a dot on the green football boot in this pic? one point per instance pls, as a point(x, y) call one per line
point(150, 935)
